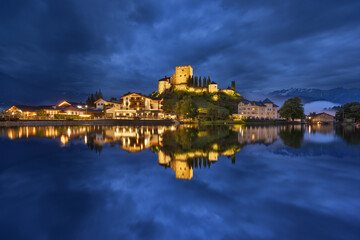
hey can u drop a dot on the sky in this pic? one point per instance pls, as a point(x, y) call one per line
point(70, 48)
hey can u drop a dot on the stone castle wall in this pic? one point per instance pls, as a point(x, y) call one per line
point(179, 82)
point(163, 86)
point(182, 73)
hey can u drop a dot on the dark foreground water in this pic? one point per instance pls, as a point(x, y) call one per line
point(288, 182)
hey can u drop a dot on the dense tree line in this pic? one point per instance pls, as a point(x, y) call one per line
point(198, 82)
point(349, 110)
point(93, 97)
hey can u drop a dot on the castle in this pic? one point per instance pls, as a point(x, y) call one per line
point(179, 81)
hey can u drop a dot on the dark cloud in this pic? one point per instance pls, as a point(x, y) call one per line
point(70, 48)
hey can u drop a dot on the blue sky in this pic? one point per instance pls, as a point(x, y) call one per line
point(71, 48)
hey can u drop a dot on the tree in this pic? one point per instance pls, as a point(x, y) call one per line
point(204, 82)
point(233, 85)
point(292, 137)
point(292, 109)
point(196, 82)
point(217, 113)
point(88, 101)
point(349, 110)
point(212, 113)
point(188, 81)
point(113, 99)
point(208, 81)
point(92, 99)
point(199, 85)
point(187, 108)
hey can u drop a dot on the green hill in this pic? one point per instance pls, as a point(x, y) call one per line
point(220, 104)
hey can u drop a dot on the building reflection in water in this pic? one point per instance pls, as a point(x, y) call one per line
point(131, 138)
point(257, 134)
point(180, 148)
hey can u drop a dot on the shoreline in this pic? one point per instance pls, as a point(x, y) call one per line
point(104, 122)
point(138, 122)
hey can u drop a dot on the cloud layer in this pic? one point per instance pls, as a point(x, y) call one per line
point(61, 47)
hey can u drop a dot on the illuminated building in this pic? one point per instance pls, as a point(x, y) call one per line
point(257, 110)
point(136, 105)
point(322, 118)
point(63, 108)
point(178, 81)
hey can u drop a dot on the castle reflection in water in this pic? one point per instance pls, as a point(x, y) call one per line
point(181, 148)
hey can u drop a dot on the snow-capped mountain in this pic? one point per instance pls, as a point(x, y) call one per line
point(338, 95)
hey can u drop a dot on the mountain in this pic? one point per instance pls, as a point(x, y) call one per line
point(336, 95)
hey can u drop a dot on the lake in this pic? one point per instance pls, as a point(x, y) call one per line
point(180, 182)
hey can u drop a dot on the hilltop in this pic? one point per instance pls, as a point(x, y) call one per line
point(224, 103)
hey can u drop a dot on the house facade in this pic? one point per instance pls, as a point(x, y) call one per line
point(63, 108)
point(100, 103)
point(136, 105)
point(261, 110)
point(322, 118)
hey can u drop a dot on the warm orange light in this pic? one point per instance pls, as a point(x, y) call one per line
point(64, 139)
point(10, 134)
point(63, 103)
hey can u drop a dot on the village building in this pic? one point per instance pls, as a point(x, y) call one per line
point(30, 111)
point(135, 105)
point(63, 108)
point(322, 118)
point(100, 103)
point(261, 110)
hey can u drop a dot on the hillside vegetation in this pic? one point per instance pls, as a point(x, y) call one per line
point(211, 106)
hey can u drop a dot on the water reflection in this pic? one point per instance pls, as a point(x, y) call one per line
point(350, 134)
point(185, 148)
point(293, 136)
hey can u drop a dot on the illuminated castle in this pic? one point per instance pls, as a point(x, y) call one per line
point(179, 80)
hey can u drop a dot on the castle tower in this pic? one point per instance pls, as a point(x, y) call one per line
point(164, 84)
point(182, 170)
point(182, 74)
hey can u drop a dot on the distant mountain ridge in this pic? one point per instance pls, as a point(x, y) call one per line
point(336, 95)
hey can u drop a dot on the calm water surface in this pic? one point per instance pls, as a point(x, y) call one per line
point(293, 182)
